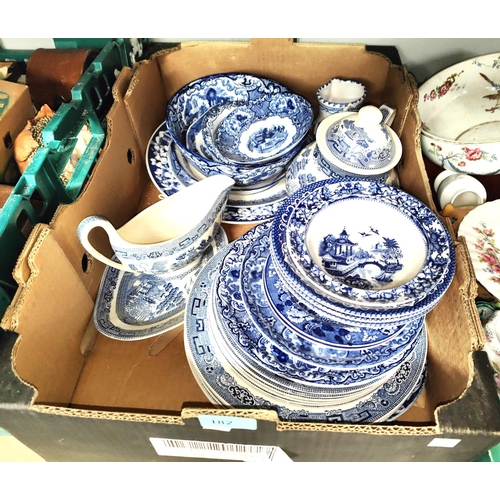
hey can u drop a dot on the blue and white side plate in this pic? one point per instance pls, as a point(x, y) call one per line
point(133, 306)
point(265, 129)
point(223, 390)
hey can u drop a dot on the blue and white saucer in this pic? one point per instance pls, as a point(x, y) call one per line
point(170, 173)
point(222, 389)
point(133, 306)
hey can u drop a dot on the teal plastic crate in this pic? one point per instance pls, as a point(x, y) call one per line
point(492, 455)
point(40, 190)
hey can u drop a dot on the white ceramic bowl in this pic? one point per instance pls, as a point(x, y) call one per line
point(460, 108)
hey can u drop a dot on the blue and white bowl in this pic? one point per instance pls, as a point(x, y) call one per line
point(370, 247)
point(264, 130)
point(194, 99)
point(314, 288)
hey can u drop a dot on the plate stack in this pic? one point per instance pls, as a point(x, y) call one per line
point(244, 126)
point(320, 313)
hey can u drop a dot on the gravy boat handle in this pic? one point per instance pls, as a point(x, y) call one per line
point(84, 228)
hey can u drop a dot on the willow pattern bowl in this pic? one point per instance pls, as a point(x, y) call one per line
point(459, 109)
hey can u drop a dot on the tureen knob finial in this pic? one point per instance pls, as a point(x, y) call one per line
point(370, 115)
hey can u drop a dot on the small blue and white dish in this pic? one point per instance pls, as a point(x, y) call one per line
point(133, 306)
point(392, 398)
point(307, 249)
point(264, 130)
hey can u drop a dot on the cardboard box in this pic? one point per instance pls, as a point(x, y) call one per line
point(71, 394)
point(16, 109)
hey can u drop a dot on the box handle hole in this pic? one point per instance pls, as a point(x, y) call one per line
point(130, 156)
point(7, 140)
point(24, 224)
point(87, 262)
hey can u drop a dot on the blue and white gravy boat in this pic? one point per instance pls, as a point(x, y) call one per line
point(170, 235)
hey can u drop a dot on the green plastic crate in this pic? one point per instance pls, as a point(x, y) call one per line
point(492, 455)
point(40, 190)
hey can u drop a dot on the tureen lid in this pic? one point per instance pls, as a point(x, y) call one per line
point(358, 142)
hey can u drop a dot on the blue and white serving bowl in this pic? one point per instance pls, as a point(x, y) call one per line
point(191, 102)
point(370, 245)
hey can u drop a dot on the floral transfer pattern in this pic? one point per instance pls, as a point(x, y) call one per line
point(458, 160)
point(487, 251)
point(444, 88)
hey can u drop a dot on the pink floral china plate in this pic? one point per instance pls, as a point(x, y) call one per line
point(481, 230)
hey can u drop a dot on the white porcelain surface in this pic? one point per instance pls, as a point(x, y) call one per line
point(480, 228)
point(459, 109)
point(461, 190)
point(168, 235)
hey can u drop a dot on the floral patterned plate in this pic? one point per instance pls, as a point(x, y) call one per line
point(481, 229)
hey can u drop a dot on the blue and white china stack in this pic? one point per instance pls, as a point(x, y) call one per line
point(357, 144)
point(244, 126)
point(319, 314)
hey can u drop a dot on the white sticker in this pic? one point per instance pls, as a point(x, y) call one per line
point(444, 442)
point(222, 423)
point(218, 451)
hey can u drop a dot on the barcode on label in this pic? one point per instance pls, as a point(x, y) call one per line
point(218, 451)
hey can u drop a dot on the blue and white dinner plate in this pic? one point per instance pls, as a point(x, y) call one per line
point(248, 341)
point(169, 173)
point(306, 335)
point(222, 390)
point(133, 306)
point(389, 252)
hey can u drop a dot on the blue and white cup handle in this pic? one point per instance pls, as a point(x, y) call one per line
point(83, 231)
